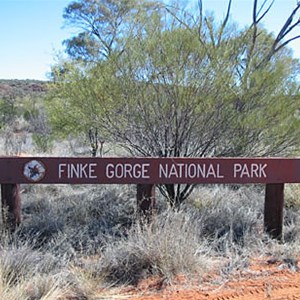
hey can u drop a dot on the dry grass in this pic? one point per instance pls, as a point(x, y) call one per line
point(75, 241)
point(28, 274)
point(168, 247)
point(292, 195)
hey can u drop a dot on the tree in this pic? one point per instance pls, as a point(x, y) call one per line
point(104, 23)
point(181, 85)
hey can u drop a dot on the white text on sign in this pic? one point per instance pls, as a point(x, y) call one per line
point(181, 170)
point(249, 171)
point(79, 170)
point(128, 171)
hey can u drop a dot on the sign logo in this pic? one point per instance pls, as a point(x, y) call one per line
point(34, 170)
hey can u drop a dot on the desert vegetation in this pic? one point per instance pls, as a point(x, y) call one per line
point(171, 81)
point(152, 80)
point(86, 242)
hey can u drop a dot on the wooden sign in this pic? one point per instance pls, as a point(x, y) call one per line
point(146, 173)
point(86, 170)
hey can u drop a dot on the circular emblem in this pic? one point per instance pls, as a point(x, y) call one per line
point(34, 170)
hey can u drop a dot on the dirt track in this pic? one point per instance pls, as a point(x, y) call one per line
point(263, 280)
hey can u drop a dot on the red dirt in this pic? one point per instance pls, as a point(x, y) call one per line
point(264, 279)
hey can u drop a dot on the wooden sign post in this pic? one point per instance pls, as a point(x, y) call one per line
point(273, 216)
point(145, 196)
point(147, 172)
point(11, 205)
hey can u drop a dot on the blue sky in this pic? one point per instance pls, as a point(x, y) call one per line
point(32, 31)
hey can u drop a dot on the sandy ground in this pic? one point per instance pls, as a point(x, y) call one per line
point(264, 279)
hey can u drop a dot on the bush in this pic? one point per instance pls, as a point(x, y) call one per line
point(76, 220)
point(234, 214)
point(32, 275)
point(19, 262)
point(168, 247)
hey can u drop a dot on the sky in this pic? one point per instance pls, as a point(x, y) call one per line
point(32, 31)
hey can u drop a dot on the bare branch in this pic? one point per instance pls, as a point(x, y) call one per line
point(254, 12)
point(254, 34)
point(256, 19)
point(200, 5)
point(93, 136)
point(224, 22)
point(266, 11)
point(287, 42)
point(285, 30)
point(262, 6)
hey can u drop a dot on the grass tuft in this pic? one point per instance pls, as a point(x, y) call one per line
point(167, 247)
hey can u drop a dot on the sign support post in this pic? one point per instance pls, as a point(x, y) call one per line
point(145, 195)
point(273, 214)
point(11, 205)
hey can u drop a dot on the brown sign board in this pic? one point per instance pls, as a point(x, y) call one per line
point(111, 170)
